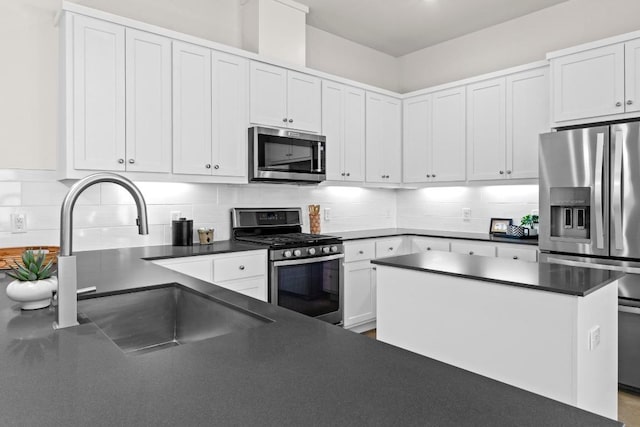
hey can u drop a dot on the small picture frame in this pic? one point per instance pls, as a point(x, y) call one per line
point(500, 225)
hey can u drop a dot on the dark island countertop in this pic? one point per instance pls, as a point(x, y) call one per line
point(463, 235)
point(578, 281)
point(294, 371)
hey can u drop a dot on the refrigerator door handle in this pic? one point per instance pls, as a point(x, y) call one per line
point(616, 198)
point(598, 191)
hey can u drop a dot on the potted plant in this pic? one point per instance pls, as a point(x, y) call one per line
point(530, 221)
point(33, 282)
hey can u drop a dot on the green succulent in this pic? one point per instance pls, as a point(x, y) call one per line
point(31, 268)
point(529, 220)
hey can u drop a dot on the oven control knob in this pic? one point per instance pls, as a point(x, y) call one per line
point(311, 251)
point(334, 249)
point(325, 250)
point(297, 252)
point(287, 254)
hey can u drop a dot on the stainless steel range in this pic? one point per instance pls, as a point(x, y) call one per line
point(304, 269)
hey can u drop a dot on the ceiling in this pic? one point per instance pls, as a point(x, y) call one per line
point(398, 27)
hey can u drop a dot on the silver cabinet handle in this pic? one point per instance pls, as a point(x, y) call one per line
point(290, 120)
point(470, 252)
point(348, 174)
point(629, 102)
point(501, 172)
point(433, 175)
point(343, 174)
point(216, 167)
point(428, 248)
point(241, 267)
point(428, 176)
point(508, 172)
point(618, 104)
point(208, 166)
point(391, 248)
point(132, 161)
point(284, 120)
point(515, 257)
point(360, 252)
point(121, 161)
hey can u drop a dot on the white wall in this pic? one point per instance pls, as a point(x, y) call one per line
point(440, 208)
point(105, 214)
point(518, 41)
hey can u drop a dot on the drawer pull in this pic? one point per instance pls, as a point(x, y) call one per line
point(241, 267)
point(515, 257)
point(360, 252)
point(428, 248)
point(391, 248)
point(470, 252)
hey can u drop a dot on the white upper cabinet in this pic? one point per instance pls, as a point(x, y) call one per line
point(229, 114)
point(434, 137)
point(527, 117)
point(632, 76)
point(343, 118)
point(383, 138)
point(285, 98)
point(98, 87)
point(486, 129)
point(191, 109)
point(148, 102)
point(589, 84)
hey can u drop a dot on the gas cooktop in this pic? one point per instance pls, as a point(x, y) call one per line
point(287, 239)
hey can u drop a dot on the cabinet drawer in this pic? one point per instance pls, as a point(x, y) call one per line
point(359, 250)
point(524, 254)
point(480, 249)
point(239, 267)
point(423, 244)
point(389, 247)
point(255, 287)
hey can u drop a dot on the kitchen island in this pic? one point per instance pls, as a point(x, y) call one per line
point(547, 328)
point(293, 371)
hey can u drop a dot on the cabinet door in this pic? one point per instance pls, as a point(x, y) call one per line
point(304, 102)
point(632, 75)
point(359, 250)
point(255, 287)
point(229, 113)
point(98, 94)
point(448, 146)
point(527, 117)
point(486, 131)
point(425, 244)
point(191, 109)
point(333, 128)
point(473, 248)
point(588, 84)
point(391, 246)
point(374, 153)
point(148, 100)
point(392, 140)
point(268, 99)
point(416, 141)
point(354, 134)
point(359, 293)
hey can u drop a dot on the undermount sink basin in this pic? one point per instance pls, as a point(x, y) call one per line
point(153, 319)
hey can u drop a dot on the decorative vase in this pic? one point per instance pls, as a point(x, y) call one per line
point(32, 295)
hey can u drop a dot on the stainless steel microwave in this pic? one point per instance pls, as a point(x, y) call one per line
point(282, 155)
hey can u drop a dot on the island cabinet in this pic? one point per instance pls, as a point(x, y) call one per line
point(285, 98)
point(117, 98)
point(504, 119)
point(547, 330)
point(384, 139)
point(209, 112)
point(244, 272)
point(343, 124)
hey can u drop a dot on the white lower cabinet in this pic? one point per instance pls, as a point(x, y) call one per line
point(242, 272)
point(359, 293)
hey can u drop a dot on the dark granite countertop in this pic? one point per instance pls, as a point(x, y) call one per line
point(389, 232)
point(295, 371)
point(578, 281)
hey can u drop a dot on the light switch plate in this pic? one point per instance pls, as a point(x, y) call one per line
point(594, 338)
point(327, 214)
point(466, 214)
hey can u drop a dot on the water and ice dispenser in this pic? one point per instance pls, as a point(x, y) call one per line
point(570, 212)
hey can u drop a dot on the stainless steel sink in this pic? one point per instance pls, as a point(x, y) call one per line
point(153, 319)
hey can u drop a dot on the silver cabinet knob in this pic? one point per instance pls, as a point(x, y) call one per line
point(360, 252)
point(132, 161)
point(290, 120)
point(343, 174)
point(284, 120)
point(216, 167)
point(121, 161)
point(629, 102)
point(241, 267)
point(382, 176)
point(470, 252)
point(433, 176)
point(501, 172)
point(348, 174)
point(618, 104)
point(208, 166)
point(508, 172)
point(428, 176)
point(428, 248)
point(515, 257)
point(391, 248)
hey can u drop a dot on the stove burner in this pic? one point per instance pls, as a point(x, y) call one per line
point(286, 239)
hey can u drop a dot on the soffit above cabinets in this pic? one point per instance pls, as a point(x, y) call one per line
point(400, 27)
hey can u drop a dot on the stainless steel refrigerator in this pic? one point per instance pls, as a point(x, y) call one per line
point(590, 216)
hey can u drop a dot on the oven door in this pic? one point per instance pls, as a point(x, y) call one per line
point(310, 286)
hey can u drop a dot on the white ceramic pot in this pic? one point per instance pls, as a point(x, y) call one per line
point(32, 295)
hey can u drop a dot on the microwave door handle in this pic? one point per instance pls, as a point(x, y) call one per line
point(617, 189)
point(320, 150)
point(598, 191)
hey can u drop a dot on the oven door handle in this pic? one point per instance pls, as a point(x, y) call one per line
point(307, 260)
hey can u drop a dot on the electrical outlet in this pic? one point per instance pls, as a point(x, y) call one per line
point(594, 338)
point(18, 222)
point(175, 215)
point(466, 214)
point(327, 214)
point(535, 212)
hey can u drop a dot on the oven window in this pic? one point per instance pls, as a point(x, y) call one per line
point(277, 153)
point(311, 289)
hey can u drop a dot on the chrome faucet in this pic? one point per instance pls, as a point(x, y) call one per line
point(67, 272)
